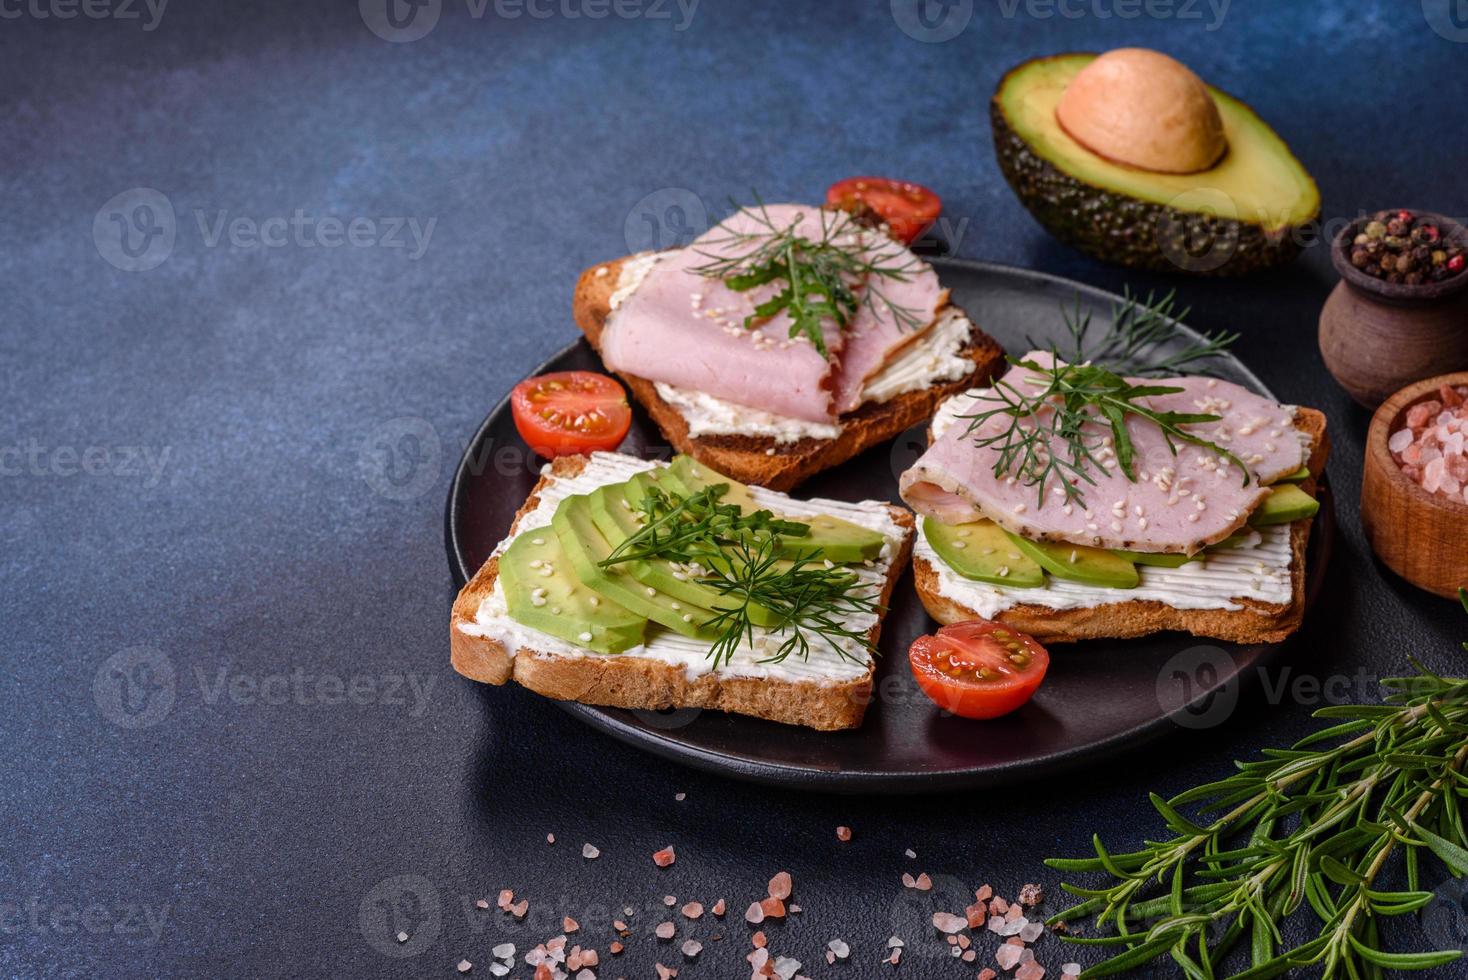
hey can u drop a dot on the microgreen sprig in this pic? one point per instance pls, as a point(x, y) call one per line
point(1316, 827)
point(825, 279)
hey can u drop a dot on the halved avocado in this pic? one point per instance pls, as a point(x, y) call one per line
point(1239, 216)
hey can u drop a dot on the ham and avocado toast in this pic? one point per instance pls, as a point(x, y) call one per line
point(636, 584)
point(771, 381)
point(1188, 507)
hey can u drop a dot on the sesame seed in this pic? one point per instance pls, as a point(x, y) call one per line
point(584, 636)
point(688, 617)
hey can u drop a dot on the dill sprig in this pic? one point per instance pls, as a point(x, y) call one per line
point(741, 557)
point(1070, 415)
point(1318, 826)
point(830, 278)
point(1138, 341)
point(1059, 423)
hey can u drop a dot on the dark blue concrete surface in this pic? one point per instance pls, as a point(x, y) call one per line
point(227, 719)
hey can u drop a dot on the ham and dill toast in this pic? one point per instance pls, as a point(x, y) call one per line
point(1182, 543)
point(751, 400)
point(539, 614)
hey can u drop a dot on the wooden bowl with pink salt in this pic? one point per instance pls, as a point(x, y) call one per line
point(1414, 490)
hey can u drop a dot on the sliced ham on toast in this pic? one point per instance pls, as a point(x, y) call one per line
point(782, 412)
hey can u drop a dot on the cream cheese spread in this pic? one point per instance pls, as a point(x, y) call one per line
point(825, 665)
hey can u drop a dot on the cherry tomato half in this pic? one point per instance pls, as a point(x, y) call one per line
point(570, 412)
point(978, 669)
point(910, 209)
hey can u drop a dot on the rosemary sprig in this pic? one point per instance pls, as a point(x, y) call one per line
point(830, 278)
point(1316, 826)
point(1057, 426)
point(739, 556)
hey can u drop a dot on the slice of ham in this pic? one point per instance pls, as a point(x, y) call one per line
point(687, 330)
point(1177, 503)
point(877, 332)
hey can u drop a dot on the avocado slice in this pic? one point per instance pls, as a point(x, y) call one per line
point(1094, 566)
point(612, 514)
point(1299, 476)
point(980, 550)
point(1285, 503)
point(1247, 206)
point(830, 537)
point(585, 547)
point(1156, 559)
point(542, 592)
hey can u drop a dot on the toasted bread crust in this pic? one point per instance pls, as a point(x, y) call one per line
point(760, 459)
point(1256, 622)
point(628, 681)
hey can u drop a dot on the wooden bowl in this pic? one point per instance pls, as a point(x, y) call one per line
point(1376, 336)
point(1421, 536)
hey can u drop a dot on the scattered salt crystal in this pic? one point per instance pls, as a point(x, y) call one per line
point(785, 967)
point(680, 797)
point(499, 969)
point(465, 966)
point(895, 943)
point(1031, 931)
point(402, 937)
point(1070, 970)
point(1030, 971)
point(780, 885)
point(664, 857)
point(692, 910)
point(481, 904)
point(839, 949)
point(1007, 956)
point(910, 853)
point(843, 833)
point(590, 852)
point(503, 951)
point(948, 923)
point(692, 948)
point(665, 930)
point(754, 913)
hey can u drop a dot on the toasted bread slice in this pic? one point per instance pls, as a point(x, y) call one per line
point(760, 459)
point(638, 682)
point(1256, 622)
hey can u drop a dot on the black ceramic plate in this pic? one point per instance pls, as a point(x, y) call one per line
point(1099, 698)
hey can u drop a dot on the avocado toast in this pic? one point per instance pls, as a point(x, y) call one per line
point(1182, 542)
point(561, 610)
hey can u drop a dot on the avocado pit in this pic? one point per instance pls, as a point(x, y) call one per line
point(1145, 110)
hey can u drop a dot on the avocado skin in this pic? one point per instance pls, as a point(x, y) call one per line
point(1122, 230)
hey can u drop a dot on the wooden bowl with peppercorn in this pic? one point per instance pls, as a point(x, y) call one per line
point(1399, 313)
point(1414, 490)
